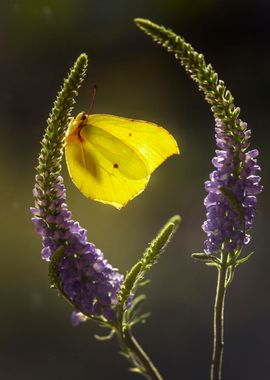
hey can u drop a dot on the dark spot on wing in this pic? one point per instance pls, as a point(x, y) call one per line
point(115, 166)
point(130, 134)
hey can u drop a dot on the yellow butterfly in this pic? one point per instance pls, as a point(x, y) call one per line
point(110, 158)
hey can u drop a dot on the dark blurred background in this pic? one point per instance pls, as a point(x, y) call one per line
point(40, 39)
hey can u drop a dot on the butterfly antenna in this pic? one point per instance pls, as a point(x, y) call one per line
point(93, 98)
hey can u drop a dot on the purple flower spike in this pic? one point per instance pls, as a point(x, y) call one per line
point(78, 269)
point(85, 277)
point(232, 190)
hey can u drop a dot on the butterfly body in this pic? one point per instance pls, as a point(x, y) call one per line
point(110, 158)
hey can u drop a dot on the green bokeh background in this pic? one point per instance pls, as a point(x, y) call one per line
point(136, 78)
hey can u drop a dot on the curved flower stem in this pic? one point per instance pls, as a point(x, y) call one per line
point(137, 357)
point(218, 344)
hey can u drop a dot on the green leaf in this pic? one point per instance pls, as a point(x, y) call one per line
point(244, 259)
point(205, 258)
point(136, 305)
point(105, 337)
point(136, 370)
point(132, 315)
point(140, 319)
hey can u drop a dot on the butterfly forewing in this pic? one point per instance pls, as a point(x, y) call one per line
point(149, 140)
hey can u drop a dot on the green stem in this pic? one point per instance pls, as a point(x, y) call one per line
point(218, 344)
point(136, 355)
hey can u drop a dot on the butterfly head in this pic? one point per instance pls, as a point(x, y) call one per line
point(75, 126)
point(81, 117)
